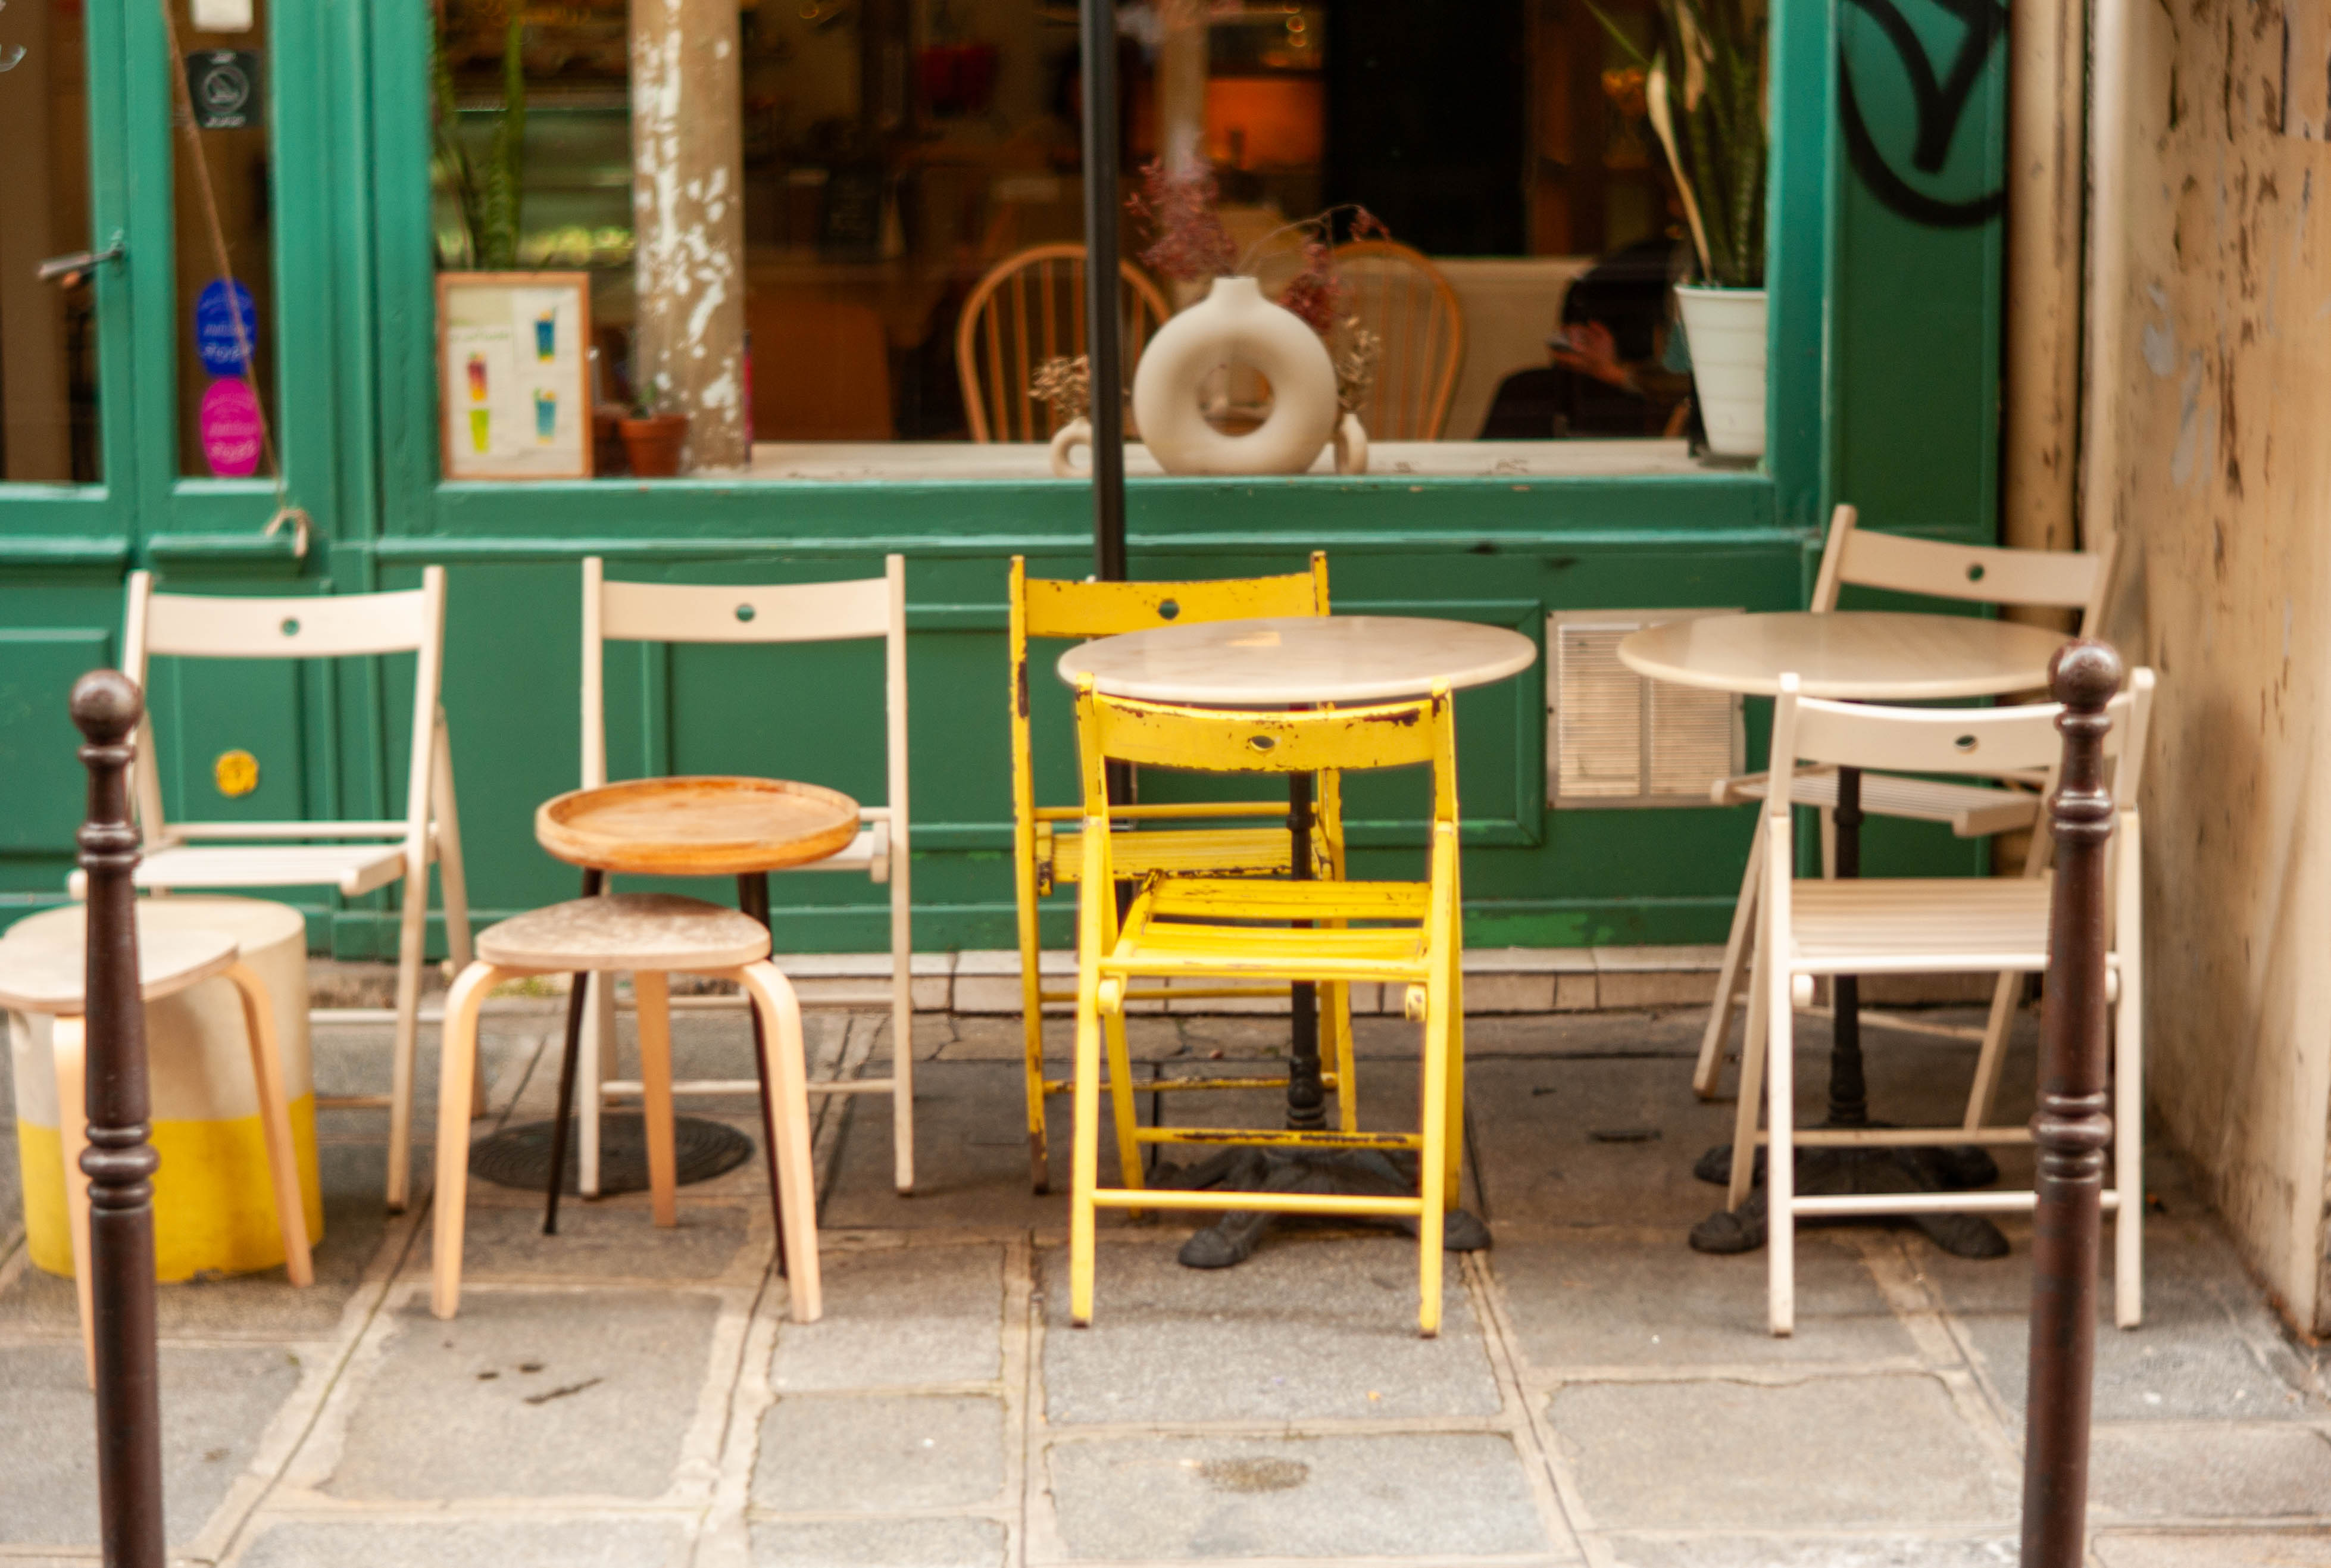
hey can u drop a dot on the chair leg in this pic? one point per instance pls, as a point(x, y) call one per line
point(1745, 1111)
point(1432, 1166)
point(594, 1064)
point(1338, 1014)
point(405, 1043)
point(1032, 1029)
point(453, 886)
point(275, 1123)
point(1084, 1161)
point(69, 1044)
point(788, 1070)
point(2128, 1072)
point(649, 989)
point(1710, 1066)
point(1453, 1124)
point(2003, 997)
point(902, 1050)
point(457, 1059)
point(1780, 1153)
point(1123, 1106)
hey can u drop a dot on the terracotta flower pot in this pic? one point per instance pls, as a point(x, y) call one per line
point(653, 444)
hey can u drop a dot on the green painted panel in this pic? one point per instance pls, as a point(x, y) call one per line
point(1915, 307)
point(41, 774)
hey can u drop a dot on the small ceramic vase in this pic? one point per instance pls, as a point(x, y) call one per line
point(1077, 433)
point(1235, 324)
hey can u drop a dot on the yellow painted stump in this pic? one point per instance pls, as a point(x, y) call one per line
point(214, 1207)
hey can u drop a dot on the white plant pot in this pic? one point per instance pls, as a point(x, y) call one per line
point(1725, 329)
point(1234, 324)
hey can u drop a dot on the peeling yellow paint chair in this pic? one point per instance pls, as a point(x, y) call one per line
point(1047, 846)
point(1331, 933)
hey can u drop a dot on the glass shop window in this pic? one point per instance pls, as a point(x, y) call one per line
point(48, 330)
point(913, 218)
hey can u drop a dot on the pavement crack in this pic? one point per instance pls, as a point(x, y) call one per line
point(573, 1388)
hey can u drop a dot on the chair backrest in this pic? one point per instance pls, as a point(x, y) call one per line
point(1054, 607)
point(1986, 742)
point(1212, 740)
point(1402, 298)
point(1029, 309)
point(820, 369)
point(865, 607)
point(344, 625)
point(2059, 579)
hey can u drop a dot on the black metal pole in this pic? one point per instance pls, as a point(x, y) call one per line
point(1099, 28)
point(2072, 1126)
point(119, 1160)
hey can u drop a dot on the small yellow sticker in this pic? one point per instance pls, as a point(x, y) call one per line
point(237, 773)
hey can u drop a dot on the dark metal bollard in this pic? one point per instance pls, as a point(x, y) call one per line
point(2071, 1126)
point(120, 1161)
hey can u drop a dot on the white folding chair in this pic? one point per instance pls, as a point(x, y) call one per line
point(2052, 579)
point(1926, 925)
point(353, 857)
point(870, 607)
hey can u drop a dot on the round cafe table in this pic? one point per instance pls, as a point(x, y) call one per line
point(1298, 661)
point(689, 826)
point(1858, 656)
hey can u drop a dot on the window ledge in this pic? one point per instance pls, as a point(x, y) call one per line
point(953, 461)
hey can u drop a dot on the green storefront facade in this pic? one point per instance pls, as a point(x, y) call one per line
point(1886, 312)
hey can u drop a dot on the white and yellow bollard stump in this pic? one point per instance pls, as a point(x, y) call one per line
point(214, 1206)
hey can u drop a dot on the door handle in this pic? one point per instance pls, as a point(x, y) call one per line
point(70, 270)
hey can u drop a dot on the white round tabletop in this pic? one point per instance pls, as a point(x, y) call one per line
point(1293, 660)
point(1846, 655)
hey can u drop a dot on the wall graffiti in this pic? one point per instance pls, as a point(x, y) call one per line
point(1941, 104)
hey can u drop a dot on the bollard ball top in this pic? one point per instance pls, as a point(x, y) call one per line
point(106, 704)
point(2084, 674)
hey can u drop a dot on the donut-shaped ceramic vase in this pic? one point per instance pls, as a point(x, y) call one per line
point(1234, 324)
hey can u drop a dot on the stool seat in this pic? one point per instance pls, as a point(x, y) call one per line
point(626, 931)
point(45, 971)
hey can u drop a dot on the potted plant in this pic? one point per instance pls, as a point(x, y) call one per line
point(652, 440)
point(1704, 90)
point(489, 191)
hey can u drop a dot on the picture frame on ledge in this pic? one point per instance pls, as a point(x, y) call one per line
point(514, 375)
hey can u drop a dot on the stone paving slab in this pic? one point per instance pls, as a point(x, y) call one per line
point(2209, 1471)
point(1308, 1329)
point(598, 1542)
point(597, 1242)
point(879, 1453)
point(529, 1395)
point(263, 1306)
point(215, 1405)
point(2241, 1549)
point(899, 1316)
point(1440, 1495)
point(1842, 1451)
point(1812, 1552)
point(1596, 1299)
point(880, 1543)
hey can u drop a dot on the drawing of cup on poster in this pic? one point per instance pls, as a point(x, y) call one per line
point(514, 369)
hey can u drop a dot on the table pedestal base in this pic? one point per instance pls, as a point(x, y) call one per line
point(1232, 1239)
point(1832, 1172)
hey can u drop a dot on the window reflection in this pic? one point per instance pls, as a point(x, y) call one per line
point(48, 330)
point(897, 153)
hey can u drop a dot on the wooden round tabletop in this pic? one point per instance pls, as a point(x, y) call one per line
point(696, 826)
point(1846, 655)
point(1285, 660)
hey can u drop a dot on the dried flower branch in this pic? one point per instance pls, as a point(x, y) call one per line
point(1355, 365)
point(1066, 386)
point(1189, 242)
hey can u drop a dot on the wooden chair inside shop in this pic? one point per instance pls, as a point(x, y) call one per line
point(1930, 925)
point(871, 609)
point(1403, 298)
point(2057, 579)
point(354, 857)
point(1332, 934)
point(1047, 841)
point(1030, 307)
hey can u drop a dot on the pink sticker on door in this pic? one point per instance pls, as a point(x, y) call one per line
point(229, 421)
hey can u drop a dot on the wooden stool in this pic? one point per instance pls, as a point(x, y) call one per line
point(43, 972)
point(650, 935)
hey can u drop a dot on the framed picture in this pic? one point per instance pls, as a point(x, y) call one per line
point(514, 375)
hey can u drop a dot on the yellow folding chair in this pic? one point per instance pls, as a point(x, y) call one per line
point(1330, 934)
point(1046, 843)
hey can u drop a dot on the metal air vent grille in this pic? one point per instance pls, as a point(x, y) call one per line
point(1615, 739)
